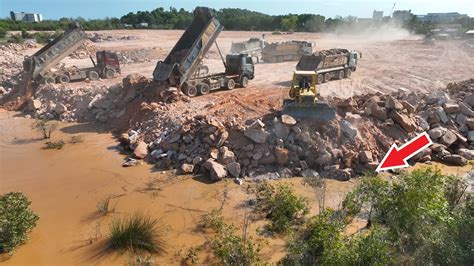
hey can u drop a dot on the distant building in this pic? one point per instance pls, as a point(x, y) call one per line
point(402, 15)
point(442, 17)
point(377, 16)
point(469, 34)
point(29, 17)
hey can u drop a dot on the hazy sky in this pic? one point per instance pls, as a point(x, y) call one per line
point(52, 9)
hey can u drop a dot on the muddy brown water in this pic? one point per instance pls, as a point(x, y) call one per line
point(66, 185)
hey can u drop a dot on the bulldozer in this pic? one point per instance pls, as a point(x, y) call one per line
point(304, 102)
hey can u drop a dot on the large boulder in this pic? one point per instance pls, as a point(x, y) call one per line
point(141, 150)
point(216, 170)
point(348, 129)
point(288, 120)
point(226, 156)
point(187, 168)
point(281, 130)
point(437, 133)
point(281, 155)
point(257, 136)
point(233, 169)
point(403, 120)
point(34, 105)
point(455, 159)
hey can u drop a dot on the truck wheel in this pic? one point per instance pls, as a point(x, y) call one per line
point(92, 75)
point(63, 79)
point(110, 73)
point(48, 80)
point(230, 84)
point(203, 88)
point(320, 78)
point(327, 77)
point(244, 81)
point(190, 90)
point(340, 75)
point(348, 73)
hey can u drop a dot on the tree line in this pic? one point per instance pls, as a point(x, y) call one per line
point(231, 18)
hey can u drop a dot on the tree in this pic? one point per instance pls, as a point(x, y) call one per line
point(289, 23)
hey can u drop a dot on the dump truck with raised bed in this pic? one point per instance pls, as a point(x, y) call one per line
point(330, 64)
point(180, 66)
point(253, 47)
point(39, 66)
point(286, 51)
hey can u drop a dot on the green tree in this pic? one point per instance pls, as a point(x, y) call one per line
point(289, 23)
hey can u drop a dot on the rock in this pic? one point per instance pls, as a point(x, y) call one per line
point(438, 97)
point(285, 173)
point(309, 173)
point(348, 129)
point(470, 123)
point(197, 160)
point(455, 159)
point(466, 153)
point(94, 101)
point(281, 155)
point(461, 119)
point(392, 103)
point(239, 181)
point(466, 110)
point(437, 133)
point(365, 157)
point(257, 124)
point(158, 154)
point(451, 108)
point(449, 138)
point(130, 162)
point(296, 129)
point(403, 120)
point(376, 111)
point(341, 174)
point(60, 109)
point(141, 150)
point(173, 138)
point(353, 118)
point(34, 105)
point(281, 130)
point(438, 147)
point(222, 138)
point(423, 123)
point(257, 136)
point(233, 169)
point(187, 168)
point(288, 120)
point(226, 156)
point(470, 135)
point(304, 137)
point(439, 111)
point(265, 177)
point(216, 170)
point(410, 108)
point(469, 100)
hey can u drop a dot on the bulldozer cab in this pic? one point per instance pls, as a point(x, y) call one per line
point(239, 64)
point(303, 84)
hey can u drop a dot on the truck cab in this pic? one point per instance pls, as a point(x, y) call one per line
point(107, 63)
point(353, 57)
point(240, 65)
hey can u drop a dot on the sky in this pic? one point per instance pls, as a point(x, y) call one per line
point(54, 9)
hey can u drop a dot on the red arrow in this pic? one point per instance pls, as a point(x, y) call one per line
point(397, 157)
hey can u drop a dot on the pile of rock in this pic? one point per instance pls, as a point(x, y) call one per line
point(135, 56)
point(99, 37)
point(11, 64)
point(84, 51)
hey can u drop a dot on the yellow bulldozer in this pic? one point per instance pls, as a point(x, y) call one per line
point(304, 99)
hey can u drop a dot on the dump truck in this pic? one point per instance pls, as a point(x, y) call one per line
point(329, 64)
point(253, 47)
point(180, 66)
point(286, 51)
point(39, 66)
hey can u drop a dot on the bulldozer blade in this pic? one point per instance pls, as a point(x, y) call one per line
point(320, 111)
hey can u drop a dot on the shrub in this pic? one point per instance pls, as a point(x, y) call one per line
point(3, 32)
point(104, 206)
point(15, 38)
point(16, 220)
point(141, 261)
point(45, 127)
point(54, 145)
point(281, 206)
point(137, 232)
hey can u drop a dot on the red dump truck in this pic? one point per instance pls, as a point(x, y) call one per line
point(330, 64)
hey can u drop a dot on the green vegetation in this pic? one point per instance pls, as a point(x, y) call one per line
point(280, 204)
point(421, 217)
point(45, 127)
point(226, 245)
point(54, 145)
point(16, 220)
point(137, 232)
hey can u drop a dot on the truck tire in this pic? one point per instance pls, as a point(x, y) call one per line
point(244, 81)
point(348, 73)
point(320, 79)
point(190, 90)
point(92, 75)
point(230, 84)
point(48, 80)
point(340, 74)
point(203, 88)
point(63, 79)
point(327, 77)
point(110, 73)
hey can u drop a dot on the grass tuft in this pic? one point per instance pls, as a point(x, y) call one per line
point(137, 232)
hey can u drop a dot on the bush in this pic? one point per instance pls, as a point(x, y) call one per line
point(3, 32)
point(45, 127)
point(54, 145)
point(228, 247)
point(281, 206)
point(15, 38)
point(16, 220)
point(137, 232)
